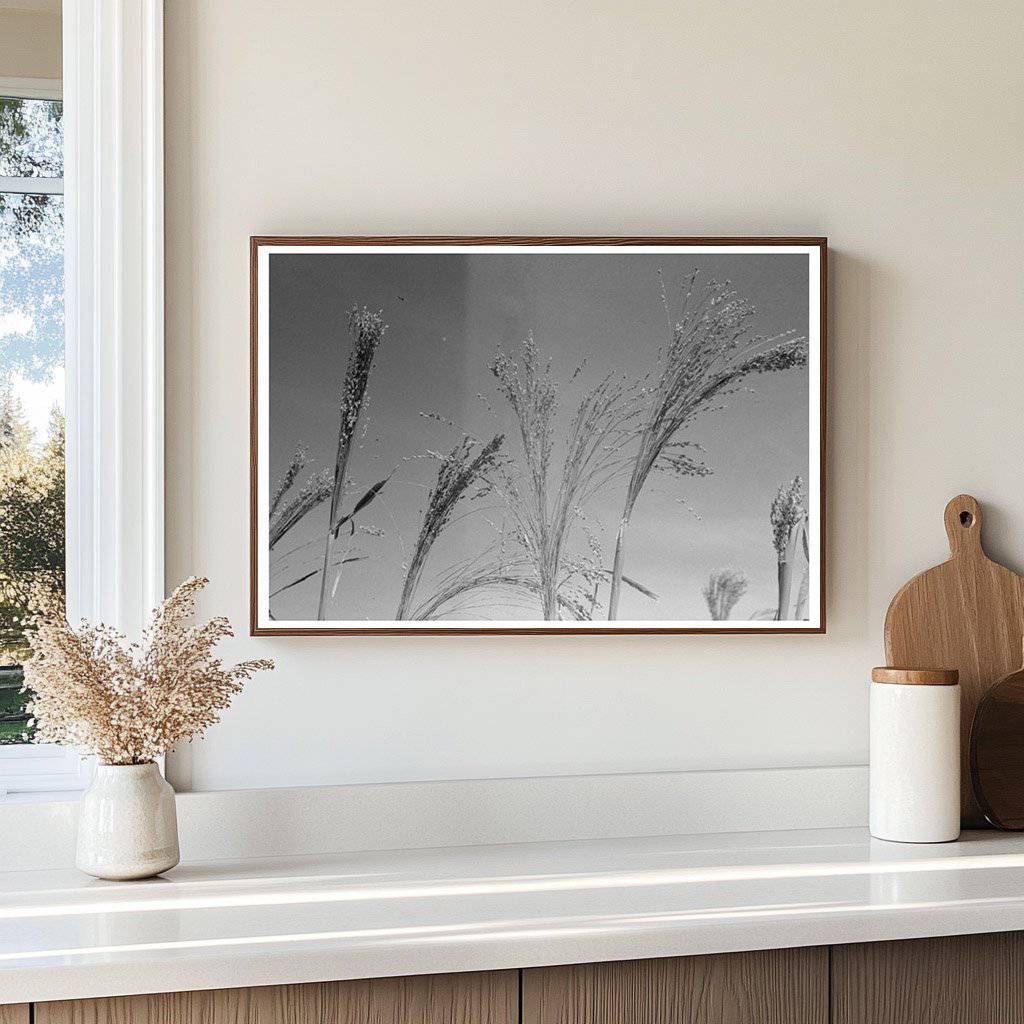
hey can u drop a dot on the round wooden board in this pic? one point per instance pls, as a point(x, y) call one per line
point(997, 753)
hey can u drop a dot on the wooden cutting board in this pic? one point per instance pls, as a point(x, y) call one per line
point(967, 614)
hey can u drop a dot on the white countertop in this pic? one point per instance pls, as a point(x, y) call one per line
point(282, 920)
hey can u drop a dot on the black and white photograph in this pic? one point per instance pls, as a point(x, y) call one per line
point(483, 435)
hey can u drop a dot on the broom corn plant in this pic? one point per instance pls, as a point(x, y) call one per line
point(544, 509)
point(712, 349)
point(367, 330)
point(291, 474)
point(286, 514)
point(723, 590)
point(620, 432)
point(466, 467)
point(789, 536)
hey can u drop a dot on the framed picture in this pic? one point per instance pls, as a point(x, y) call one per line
point(537, 435)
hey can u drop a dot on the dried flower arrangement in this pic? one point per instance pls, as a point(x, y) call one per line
point(129, 703)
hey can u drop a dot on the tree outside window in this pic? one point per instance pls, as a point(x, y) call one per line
point(31, 385)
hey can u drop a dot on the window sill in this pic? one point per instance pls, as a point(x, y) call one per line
point(32, 772)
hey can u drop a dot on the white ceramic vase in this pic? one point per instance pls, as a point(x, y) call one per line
point(127, 825)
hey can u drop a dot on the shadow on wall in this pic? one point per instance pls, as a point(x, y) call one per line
point(854, 289)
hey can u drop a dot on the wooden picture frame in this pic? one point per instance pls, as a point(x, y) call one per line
point(297, 307)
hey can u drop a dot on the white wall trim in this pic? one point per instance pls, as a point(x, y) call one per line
point(113, 110)
point(239, 824)
point(114, 328)
point(31, 88)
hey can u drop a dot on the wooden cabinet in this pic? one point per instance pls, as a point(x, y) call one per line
point(970, 979)
point(966, 979)
point(491, 998)
point(779, 986)
point(963, 979)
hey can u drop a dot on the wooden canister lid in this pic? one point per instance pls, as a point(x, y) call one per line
point(916, 676)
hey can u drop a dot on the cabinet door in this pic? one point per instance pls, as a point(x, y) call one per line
point(14, 1013)
point(779, 986)
point(963, 979)
point(490, 998)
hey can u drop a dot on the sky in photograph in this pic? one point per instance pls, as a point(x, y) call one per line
point(447, 316)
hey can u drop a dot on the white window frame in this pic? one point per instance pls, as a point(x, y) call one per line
point(114, 330)
point(31, 89)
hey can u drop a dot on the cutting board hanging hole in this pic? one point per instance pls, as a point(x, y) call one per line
point(963, 525)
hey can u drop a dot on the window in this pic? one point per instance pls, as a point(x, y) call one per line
point(31, 405)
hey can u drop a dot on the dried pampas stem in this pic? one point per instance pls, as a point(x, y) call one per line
point(129, 703)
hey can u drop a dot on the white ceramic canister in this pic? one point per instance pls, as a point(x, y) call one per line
point(127, 825)
point(915, 755)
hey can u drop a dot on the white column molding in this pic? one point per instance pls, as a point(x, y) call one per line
point(113, 113)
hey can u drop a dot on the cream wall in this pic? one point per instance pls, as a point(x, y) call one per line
point(895, 129)
point(30, 39)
